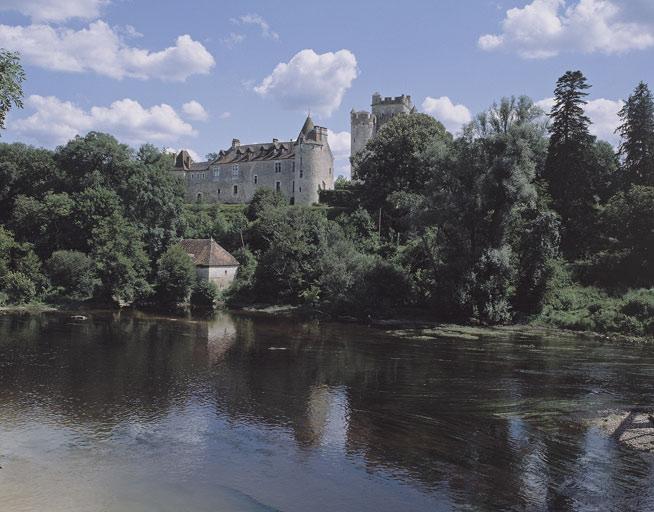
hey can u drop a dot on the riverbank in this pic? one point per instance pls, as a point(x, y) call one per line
point(413, 323)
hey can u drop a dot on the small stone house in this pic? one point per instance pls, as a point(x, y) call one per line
point(212, 262)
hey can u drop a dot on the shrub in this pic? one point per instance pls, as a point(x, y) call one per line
point(73, 272)
point(175, 276)
point(19, 288)
point(205, 295)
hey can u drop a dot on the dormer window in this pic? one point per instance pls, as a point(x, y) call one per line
point(235, 171)
point(278, 167)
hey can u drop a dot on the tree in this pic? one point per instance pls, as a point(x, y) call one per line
point(568, 169)
point(175, 276)
point(18, 287)
point(263, 199)
point(73, 272)
point(391, 161)
point(637, 133)
point(11, 79)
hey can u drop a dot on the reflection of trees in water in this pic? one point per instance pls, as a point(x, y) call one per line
point(492, 423)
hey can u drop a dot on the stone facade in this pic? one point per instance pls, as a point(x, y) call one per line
point(212, 262)
point(365, 125)
point(297, 169)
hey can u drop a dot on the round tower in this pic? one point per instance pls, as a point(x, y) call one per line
point(362, 126)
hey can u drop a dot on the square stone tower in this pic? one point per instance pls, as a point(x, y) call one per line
point(365, 125)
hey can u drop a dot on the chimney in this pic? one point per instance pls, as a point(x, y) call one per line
point(275, 141)
point(236, 143)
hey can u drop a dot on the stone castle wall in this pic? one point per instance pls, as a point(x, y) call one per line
point(296, 178)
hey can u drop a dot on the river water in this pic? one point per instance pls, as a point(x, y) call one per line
point(129, 412)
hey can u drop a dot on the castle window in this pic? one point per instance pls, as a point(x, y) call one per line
point(293, 187)
point(300, 188)
point(293, 166)
point(256, 179)
point(301, 173)
point(278, 186)
point(330, 171)
point(278, 167)
point(216, 173)
point(235, 191)
point(199, 197)
point(218, 191)
point(235, 171)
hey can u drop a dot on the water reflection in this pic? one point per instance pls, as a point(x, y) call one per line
point(136, 412)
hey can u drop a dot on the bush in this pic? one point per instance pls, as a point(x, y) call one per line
point(18, 287)
point(175, 276)
point(73, 272)
point(205, 295)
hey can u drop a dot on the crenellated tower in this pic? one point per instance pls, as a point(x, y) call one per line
point(365, 125)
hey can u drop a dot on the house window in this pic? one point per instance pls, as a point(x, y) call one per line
point(256, 179)
point(301, 173)
point(278, 167)
point(235, 171)
point(216, 173)
point(235, 191)
point(278, 186)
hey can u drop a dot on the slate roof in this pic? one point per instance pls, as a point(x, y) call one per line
point(205, 252)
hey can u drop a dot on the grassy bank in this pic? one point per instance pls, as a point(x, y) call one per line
point(582, 308)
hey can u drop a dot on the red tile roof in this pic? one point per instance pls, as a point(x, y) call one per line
point(205, 252)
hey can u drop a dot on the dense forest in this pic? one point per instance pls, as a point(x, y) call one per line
point(523, 217)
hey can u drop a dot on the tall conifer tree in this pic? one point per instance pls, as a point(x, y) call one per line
point(637, 132)
point(569, 166)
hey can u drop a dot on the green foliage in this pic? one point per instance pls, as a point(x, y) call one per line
point(242, 289)
point(19, 288)
point(637, 132)
point(73, 273)
point(591, 309)
point(175, 276)
point(11, 80)
point(570, 170)
point(264, 199)
point(205, 295)
point(392, 161)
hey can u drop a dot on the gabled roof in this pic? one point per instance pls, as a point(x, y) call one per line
point(205, 252)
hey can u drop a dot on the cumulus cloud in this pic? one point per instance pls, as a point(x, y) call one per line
point(195, 111)
point(55, 10)
point(255, 19)
point(55, 121)
point(311, 80)
point(545, 28)
point(602, 112)
point(339, 142)
point(100, 49)
point(452, 116)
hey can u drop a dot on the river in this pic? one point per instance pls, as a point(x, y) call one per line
point(130, 412)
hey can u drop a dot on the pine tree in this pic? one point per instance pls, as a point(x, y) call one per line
point(569, 166)
point(637, 132)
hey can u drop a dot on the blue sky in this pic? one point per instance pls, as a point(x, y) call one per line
point(196, 74)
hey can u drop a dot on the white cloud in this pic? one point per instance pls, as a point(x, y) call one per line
point(255, 19)
point(311, 80)
point(545, 28)
point(452, 116)
point(55, 10)
point(195, 111)
point(603, 114)
point(339, 142)
point(225, 115)
point(100, 49)
point(233, 39)
point(55, 121)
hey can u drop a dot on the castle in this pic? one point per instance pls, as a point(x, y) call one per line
point(297, 169)
point(365, 125)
